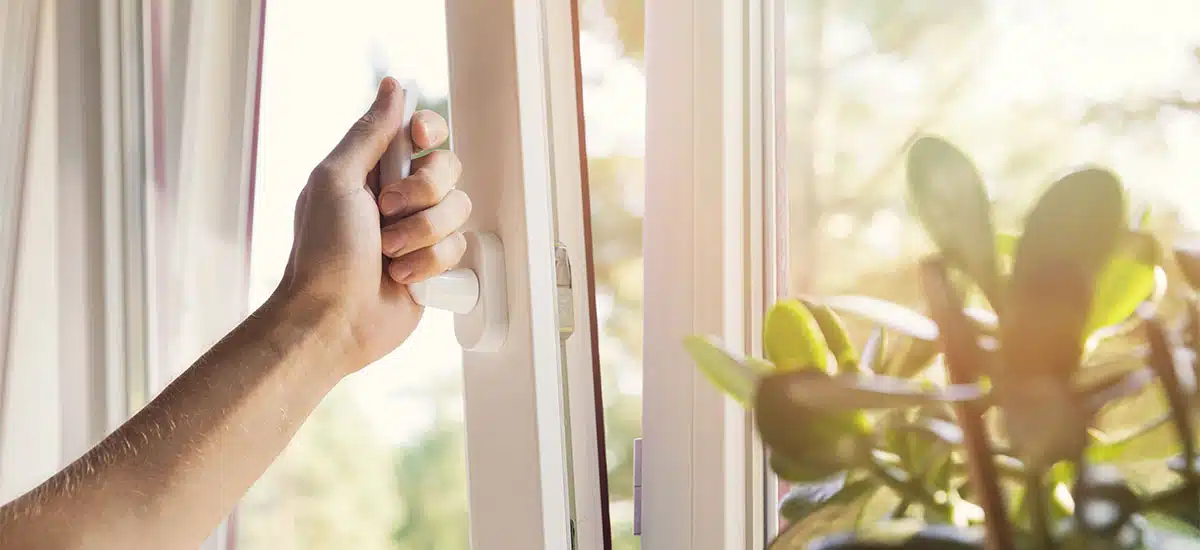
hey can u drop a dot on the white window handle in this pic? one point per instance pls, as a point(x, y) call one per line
point(475, 291)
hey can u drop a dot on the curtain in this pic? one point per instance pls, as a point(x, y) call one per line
point(20, 23)
point(127, 140)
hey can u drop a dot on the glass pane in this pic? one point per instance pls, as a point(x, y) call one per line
point(614, 100)
point(1028, 89)
point(380, 464)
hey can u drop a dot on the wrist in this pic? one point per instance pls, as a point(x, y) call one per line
point(319, 327)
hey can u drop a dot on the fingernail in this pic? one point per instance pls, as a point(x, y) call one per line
point(390, 203)
point(386, 87)
point(383, 96)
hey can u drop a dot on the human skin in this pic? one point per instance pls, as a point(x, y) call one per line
point(169, 475)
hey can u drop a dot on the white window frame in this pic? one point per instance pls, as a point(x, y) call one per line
point(580, 359)
point(713, 251)
point(532, 455)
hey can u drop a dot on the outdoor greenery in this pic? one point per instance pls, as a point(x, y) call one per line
point(980, 426)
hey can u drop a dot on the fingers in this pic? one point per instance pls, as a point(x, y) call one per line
point(359, 151)
point(429, 261)
point(429, 130)
point(426, 227)
point(434, 175)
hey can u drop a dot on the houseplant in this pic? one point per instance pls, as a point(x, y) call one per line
point(979, 426)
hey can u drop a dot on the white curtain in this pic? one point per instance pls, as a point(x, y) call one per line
point(22, 451)
point(127, 132)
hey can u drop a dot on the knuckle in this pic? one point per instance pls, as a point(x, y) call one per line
point(424, 184)
point(440, 156)
point(423, 226)
point(459, 203)
point(456, 166)
point(365, 123)
point(465, 200)
point(451, 250)
point(325, 171)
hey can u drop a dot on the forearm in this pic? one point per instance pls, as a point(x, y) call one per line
point(166, 477)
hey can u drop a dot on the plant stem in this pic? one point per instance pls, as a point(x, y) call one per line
point(961, 348)
point(1039, 509)
point(1162, 359)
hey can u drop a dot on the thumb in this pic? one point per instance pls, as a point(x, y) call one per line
point(363, 145)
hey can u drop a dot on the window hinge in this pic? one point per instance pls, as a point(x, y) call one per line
point(565, 295)
point(637, 487)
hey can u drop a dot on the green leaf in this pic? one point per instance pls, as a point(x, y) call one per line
point(891, 316)
point(1163, 532)
point(1141, 216)
point(872, 355)
point(948, 196)
point(1178, 465)
point(913, 357)
point(805, 442)
point(816, 390)
point(1128, 446)
point(1128, 280)
point(812, 516)
point(836, 336)
point(804, 499)
point(1006, 245)
point(1069, 237)
point(1116, 387)
point(792, 338)
point(903, 534)
point(934, 430)
point(1177, 501)
point(809, 469)
point(1187, 257)
point(735, 377)
point(928, 444)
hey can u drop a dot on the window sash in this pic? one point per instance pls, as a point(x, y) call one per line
point(711, 262)
point(532, 463)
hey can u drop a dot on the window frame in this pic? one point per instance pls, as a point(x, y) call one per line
point(714, 262)
point(571, 204)
point(534, 468)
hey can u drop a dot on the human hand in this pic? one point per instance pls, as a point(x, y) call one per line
point(343, 263)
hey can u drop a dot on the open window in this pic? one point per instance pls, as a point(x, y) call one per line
point(179, 132)
point(775, 142)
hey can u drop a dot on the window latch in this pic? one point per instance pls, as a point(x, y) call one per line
point(565, 294)
point(637, 487)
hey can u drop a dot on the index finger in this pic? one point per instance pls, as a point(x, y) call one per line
point(429, 130)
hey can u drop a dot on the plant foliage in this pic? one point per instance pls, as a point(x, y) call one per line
point(970, 428)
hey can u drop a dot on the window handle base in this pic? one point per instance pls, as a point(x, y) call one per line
point(475, 292)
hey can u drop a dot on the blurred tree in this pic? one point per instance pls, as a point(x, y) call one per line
point(333, 487)
point(433, 491)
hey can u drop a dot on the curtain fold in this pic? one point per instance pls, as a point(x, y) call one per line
point(20, 23)
point(124, 240)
